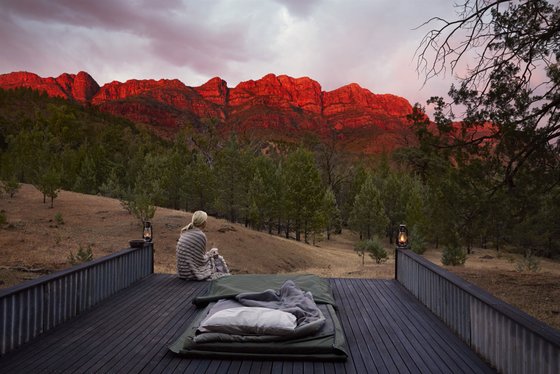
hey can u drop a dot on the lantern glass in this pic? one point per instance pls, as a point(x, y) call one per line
point(147, 233)
point(402, 237)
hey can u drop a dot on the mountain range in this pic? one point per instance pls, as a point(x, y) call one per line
point(275, 108)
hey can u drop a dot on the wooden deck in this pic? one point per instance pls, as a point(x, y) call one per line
point(387, 331)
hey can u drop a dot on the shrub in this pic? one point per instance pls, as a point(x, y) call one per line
point(374, 248)
point(11, 186)
point(453, 255)
point(58, 219)
point(3, 218)
point(83, 255)
point(140, 206)
point(529, 263)
point(417, 242)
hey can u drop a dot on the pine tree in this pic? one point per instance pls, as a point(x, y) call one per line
point(303, 191)
point(331, 213)
point(368, 215)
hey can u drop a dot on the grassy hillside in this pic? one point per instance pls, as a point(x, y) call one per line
point(33, 239)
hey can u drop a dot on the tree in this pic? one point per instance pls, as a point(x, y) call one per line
point(10, 186)
point(511, 93)
point(142, 206)
point(87, 179)
point(259, 198)
point(232, 171)
point(374, 247)
point(368, 214)
point(201, 187)
point(331, 212)
point(173, 175)
point(350, 189)
point(394, 189)
point(303, 190)
point(264, 193)
point(49, 183)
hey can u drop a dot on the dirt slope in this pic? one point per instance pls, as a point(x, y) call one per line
point(33, 240)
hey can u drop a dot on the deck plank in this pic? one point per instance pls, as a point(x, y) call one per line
point(387, 330)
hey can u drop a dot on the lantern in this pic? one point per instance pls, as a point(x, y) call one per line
point(147, 232)
point(402, 237)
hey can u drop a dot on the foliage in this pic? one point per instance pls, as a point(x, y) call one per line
point(445, 189)
point(81, 256)
point(505, 150)
point(140, 205)
point(417, 241)
point(368, 214)
point(331, 213)
point(49, 183)
point(303, 190)
point(453, 255)
point(234, 169)
point(3, 218)
point(360, 249)
point(58, 218)
point(10, 186)
point(374, 248)
point(528, 263)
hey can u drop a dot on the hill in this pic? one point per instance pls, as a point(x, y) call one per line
point(273, 108)
point(33, 240)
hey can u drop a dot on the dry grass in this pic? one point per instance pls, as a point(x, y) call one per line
point(33, 239)
point(537, 293)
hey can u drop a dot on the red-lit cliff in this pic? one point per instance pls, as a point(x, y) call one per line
point(276, 107)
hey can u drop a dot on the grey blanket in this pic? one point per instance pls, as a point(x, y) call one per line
point(289, 298)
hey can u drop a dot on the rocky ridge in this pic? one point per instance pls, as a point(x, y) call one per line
point(275, 106)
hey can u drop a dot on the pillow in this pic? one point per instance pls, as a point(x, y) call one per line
point(250, 321)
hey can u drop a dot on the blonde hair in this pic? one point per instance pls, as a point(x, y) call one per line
point(198, 219)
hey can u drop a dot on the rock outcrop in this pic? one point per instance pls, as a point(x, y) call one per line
point(278, 106)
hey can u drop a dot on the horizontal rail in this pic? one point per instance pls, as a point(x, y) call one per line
point(34, 307)
point(509, 339)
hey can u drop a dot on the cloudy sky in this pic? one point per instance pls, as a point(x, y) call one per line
point(335, 42)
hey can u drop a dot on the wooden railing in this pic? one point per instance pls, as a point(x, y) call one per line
point(509, 339)
point(36, 306)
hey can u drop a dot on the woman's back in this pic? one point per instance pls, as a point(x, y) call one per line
point(192, 263)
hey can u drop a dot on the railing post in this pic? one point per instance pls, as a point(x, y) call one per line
point(396, 263)
point(151, 244)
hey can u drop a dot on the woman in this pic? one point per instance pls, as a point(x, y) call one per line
point(192, 261)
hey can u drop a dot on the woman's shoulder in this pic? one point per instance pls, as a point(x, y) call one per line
point(193, 232)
